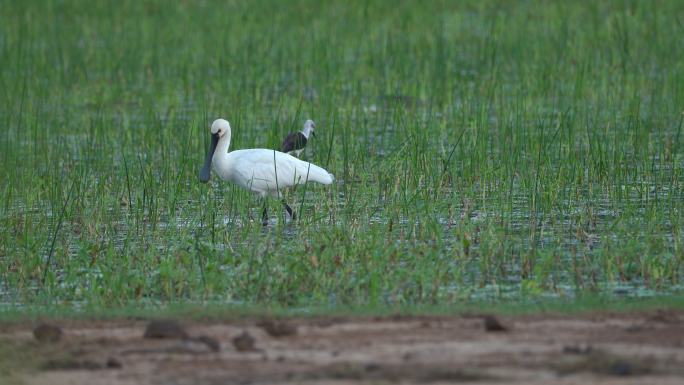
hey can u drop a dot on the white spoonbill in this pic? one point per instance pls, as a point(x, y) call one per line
point(295, 142)
point(261, 171)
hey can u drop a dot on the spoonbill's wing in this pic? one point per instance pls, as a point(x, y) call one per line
point(264, 171)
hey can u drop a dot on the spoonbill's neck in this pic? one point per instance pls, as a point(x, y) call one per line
point(222, 147)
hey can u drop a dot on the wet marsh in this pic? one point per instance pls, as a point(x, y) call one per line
point(481, 149)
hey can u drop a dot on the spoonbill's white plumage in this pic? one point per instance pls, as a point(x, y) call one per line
point(261, 171)
point(295, 142)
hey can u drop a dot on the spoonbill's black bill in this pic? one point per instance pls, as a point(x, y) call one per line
point(205, 172)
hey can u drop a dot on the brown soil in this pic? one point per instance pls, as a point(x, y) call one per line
point(597, 348)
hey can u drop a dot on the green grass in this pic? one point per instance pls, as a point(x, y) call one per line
point(483, 150)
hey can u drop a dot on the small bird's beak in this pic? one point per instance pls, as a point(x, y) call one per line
point(313, 133)
point(205, 173)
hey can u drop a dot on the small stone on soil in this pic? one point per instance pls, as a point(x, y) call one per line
point(244, 342)
point(165, 329)
point(47, 333)
point(212, 343)
point(113, 363)
point(278, 328)
point(492, 324)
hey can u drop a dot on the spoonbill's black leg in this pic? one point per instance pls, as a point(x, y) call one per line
point(289, 210)
point(264, 215)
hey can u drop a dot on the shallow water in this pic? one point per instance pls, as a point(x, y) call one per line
point(555, 230)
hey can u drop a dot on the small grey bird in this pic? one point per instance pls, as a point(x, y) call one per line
point(295, 142)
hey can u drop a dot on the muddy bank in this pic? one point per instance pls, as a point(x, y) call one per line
point(603, 348)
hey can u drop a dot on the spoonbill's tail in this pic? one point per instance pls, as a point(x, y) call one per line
point(319, 174)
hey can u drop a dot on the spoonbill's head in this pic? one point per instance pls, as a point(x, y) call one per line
point(309, 127)
point(219, 128)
